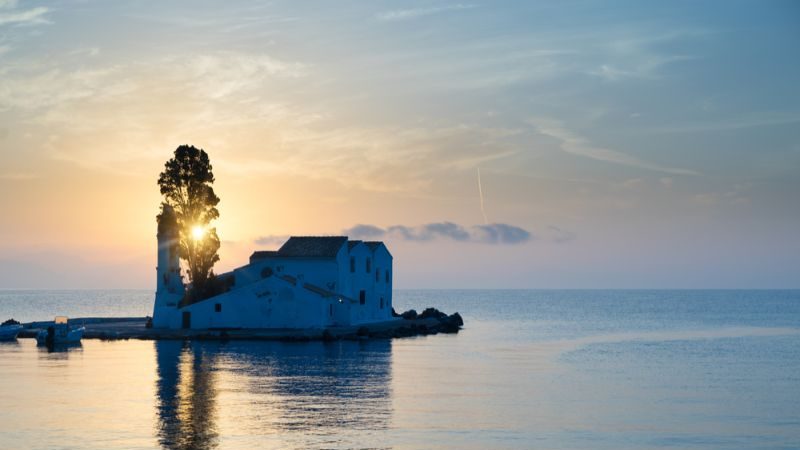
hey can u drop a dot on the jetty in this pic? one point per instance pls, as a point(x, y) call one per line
point(430, 321)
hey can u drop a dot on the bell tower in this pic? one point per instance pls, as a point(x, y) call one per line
point(169, 285)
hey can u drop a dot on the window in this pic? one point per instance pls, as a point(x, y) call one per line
point(331, 310)
point(362, 297)
point(369, 265)
point(217, 307)
point(377, 274)
point(381, 302)
point(352, 264)
point(387, 276)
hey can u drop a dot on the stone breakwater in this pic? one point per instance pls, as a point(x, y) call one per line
point(407, 324)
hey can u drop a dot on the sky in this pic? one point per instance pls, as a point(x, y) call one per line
point(573, 144)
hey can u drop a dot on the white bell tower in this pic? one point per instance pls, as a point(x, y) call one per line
point(169, 285)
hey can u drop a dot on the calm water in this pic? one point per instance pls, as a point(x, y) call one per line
point(531, 369)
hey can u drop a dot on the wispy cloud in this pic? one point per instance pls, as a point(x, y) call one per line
point(577, 145)
point(734, 122)
point(645, 68)
point(33, 16)
point(639, 53)
point(494, 233)
point(219, 75)
point(412, 13)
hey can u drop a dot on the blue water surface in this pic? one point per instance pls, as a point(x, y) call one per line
point(531, 369)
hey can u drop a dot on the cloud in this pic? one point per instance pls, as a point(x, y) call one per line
point(643, 69)
point(753, 119)
point(500, 233)
point(34, 16)
point(413, 13)
point(639, 54)
point(560, 235)
point(495, 233)
point(220, 75)
point(634, 183)
point(365, 232)
point(577, 145)
point(738, 195)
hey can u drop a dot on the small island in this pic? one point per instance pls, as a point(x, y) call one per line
point(312, 287)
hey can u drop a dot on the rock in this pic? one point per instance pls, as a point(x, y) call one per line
point(447, 327)
point(409, 315)
point(403, 332)
point(327, 336)
point(11, 322)
point(394, 313)
point(451, 324)
point(456, 319)
point(362, 331)
point(432, 313)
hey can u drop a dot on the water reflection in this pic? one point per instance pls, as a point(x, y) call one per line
point(59, 351)
point(284, 394)
point(185, 396)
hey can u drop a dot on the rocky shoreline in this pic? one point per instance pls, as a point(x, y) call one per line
point(410, 323)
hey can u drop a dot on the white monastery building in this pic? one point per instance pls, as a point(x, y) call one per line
point(310, 282)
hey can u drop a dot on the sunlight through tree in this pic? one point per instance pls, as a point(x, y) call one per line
point(186, 186)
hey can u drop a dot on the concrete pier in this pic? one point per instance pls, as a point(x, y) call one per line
point(114, 328)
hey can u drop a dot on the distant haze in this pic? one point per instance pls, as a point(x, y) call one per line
point(490, 144)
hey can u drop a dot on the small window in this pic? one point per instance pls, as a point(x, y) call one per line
point(381, 302)
point(387, 276)
point(331, 310)
point(362, 297)
point(377, 274)
point(352, 264)
point(369, 265)
point(217, 307)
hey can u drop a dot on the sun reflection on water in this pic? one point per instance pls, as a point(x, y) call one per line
point(270, 394)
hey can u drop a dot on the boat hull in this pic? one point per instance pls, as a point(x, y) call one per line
point(9, 332)
point(60, 336)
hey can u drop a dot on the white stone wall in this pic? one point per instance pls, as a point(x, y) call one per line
point(382, 289)
point(269, 303)
point(260, 301)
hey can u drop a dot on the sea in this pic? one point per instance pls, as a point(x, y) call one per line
point(531, 369)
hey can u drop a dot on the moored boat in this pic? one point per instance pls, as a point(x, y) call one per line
point(9, 332)
point(60, 333)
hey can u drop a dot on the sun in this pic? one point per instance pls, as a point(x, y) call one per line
point(197, 232)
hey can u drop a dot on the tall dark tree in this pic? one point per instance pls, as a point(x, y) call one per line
point(186, 186)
